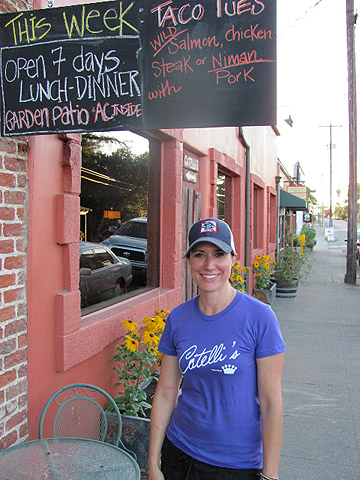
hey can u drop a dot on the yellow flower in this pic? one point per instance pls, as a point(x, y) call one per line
point(256, 264)
point(156, 352)
point(258, 257)
point(151, 324)
point(130, 325)
point(259, 274)
point(161, 323)
point(131, 344)
point(150, 338)
point(267, 266)
point(239, 278)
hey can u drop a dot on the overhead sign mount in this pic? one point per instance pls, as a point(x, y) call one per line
point(135, 65)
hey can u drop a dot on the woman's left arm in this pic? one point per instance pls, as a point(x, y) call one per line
point(269, 386)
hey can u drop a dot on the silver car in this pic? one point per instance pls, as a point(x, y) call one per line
point(102, 274)
point(130, 241)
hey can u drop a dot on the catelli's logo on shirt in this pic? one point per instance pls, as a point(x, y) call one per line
point(208, 226)
point(193, 358)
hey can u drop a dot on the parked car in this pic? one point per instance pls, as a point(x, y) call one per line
point(102, 274)
point(130, 241)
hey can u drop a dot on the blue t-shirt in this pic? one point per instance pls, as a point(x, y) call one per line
point(217, 417)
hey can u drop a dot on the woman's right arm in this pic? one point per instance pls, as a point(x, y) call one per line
point(164, 402)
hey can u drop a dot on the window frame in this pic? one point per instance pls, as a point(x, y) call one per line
point(80, 338)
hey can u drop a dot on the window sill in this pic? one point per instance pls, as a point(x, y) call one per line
point(102, 328)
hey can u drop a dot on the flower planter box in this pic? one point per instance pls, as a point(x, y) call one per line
point(266, 295)
point(286, 289)
point(135, 436)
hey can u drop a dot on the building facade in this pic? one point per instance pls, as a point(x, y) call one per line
point(45, 340)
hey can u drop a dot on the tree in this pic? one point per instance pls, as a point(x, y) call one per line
point(114, 181)
point(311, 200)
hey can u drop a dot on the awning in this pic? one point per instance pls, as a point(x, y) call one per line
point(288, 200)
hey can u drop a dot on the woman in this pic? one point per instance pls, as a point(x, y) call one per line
point(227, 348)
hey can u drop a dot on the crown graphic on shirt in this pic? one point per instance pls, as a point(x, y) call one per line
point(229, 369)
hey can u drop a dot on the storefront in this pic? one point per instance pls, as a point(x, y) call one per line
point(47, 340)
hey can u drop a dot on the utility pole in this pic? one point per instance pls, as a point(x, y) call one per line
point(331, 149)
point(350, 276)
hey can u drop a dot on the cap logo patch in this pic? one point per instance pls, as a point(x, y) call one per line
point(208, 226)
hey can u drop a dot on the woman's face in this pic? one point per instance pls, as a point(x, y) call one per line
point(210, 267)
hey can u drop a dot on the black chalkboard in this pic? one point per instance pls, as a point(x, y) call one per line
point(132, 65)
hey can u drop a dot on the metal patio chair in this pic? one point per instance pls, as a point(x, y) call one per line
point(77, 410)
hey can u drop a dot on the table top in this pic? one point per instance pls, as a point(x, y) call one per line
point(67, 458)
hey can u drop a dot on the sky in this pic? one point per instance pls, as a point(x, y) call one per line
point(312, 87)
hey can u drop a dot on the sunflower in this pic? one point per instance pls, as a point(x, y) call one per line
point(131, 344)
point(130, 325)
point(256, 264)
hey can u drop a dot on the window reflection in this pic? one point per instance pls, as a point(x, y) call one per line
point(114, 214)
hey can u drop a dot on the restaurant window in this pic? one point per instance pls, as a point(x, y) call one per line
point(258, 217)
point(273, 218)
point(224, 196)
point(221, 196)
point(115, 186)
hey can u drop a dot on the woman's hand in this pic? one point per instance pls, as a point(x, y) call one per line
point(156, 474)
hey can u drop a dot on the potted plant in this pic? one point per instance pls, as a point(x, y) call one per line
point(137, 363)
point(310, 237)
point(288, 270)
point(296, 243)
point(264, 288)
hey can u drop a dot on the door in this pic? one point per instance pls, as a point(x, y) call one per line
point(191, 204)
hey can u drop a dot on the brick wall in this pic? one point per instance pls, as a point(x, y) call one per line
point(13, 240)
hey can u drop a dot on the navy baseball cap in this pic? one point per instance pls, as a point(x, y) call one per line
point(214, 231)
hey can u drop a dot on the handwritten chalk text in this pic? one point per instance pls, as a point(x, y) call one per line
point(255, 7)
point(252, 33)
point(28, 30)
point(107, 112)
point(164, 90)
point(162, 68)
point(183, 15)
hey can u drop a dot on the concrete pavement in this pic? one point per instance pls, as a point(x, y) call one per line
point(321, 379)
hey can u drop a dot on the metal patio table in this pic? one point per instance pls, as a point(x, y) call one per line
point(67, 459)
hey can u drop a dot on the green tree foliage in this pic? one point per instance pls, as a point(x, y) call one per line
point(341, 211)
point(312, 201)
point(111, 180)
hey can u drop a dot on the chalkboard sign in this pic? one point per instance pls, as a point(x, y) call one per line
point(142, 64)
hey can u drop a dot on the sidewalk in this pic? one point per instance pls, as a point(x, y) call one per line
point(321, 379)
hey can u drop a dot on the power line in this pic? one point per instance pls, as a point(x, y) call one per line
point(106, 184)
point(299, 19)
point(104, 177)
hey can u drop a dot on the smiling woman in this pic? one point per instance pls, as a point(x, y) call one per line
point(240, 355)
